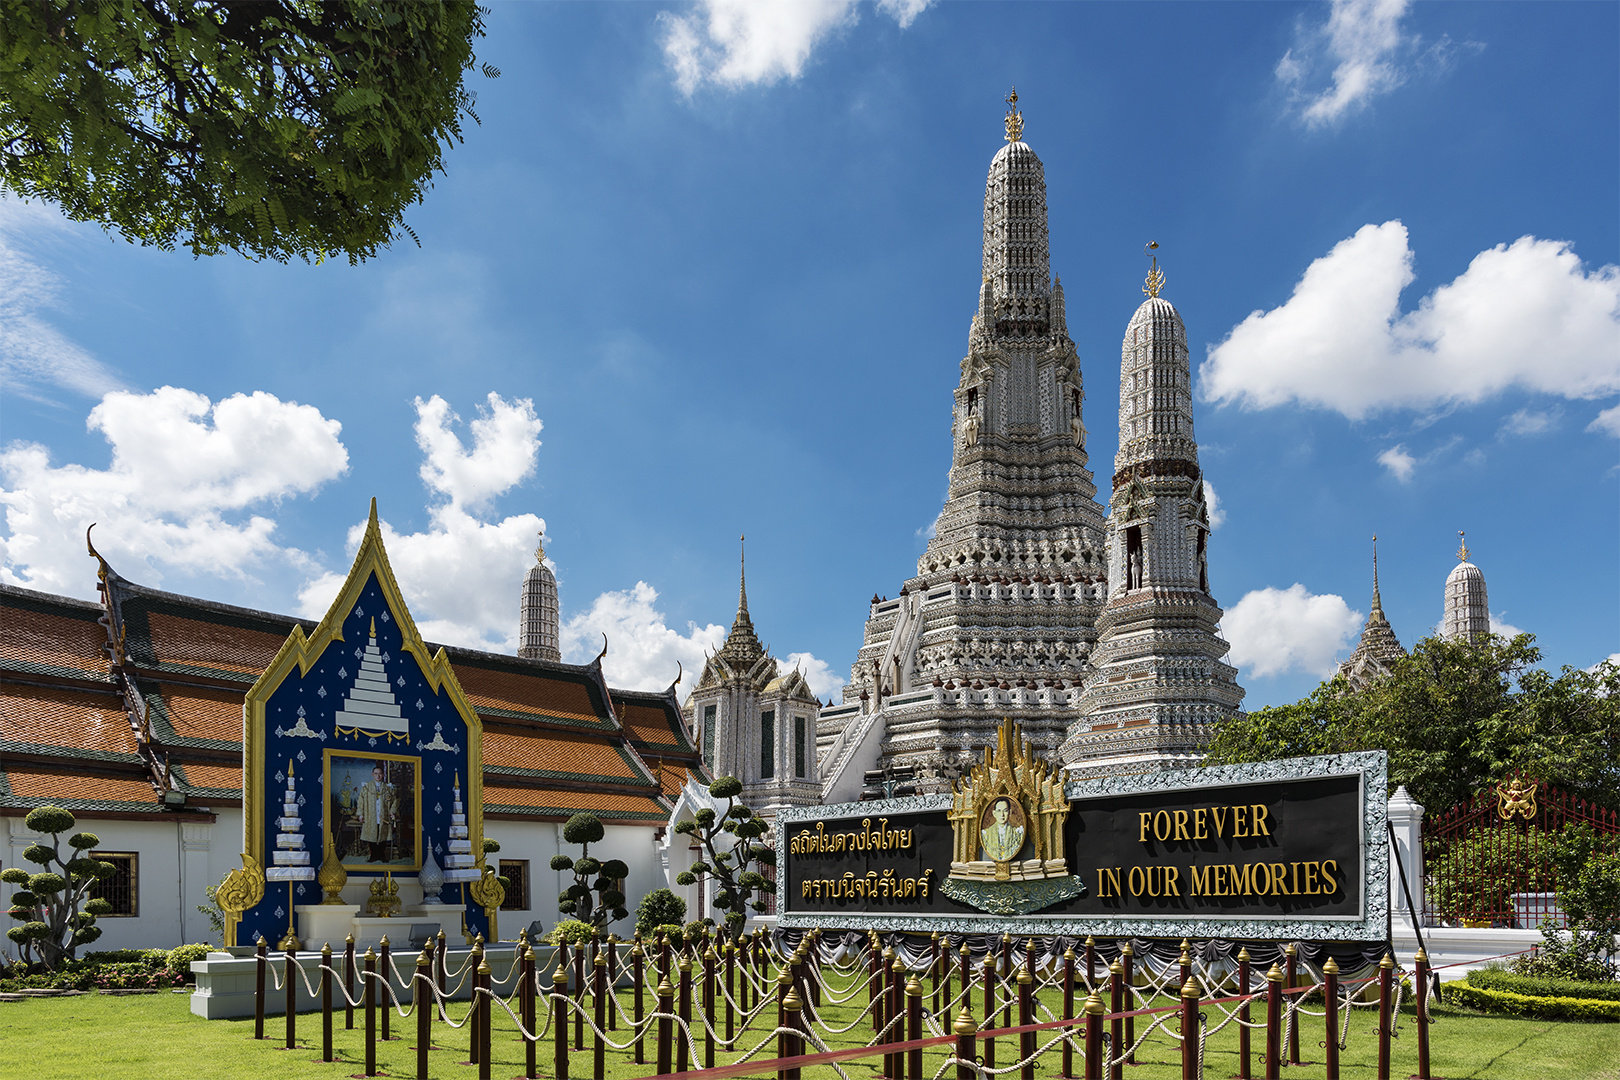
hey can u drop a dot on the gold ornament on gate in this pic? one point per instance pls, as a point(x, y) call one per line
point(1516, 797)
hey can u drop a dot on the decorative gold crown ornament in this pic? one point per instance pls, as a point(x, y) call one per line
point(1155, 278)
point(1015, 119)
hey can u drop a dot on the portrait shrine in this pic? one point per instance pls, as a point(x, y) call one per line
point(362, 781)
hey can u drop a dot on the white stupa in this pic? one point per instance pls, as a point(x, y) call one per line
point(460, 864)
point(370, 704)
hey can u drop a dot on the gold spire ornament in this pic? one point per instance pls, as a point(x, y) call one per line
point(1155, 278)
point(1462, 546)
point(1015, 119)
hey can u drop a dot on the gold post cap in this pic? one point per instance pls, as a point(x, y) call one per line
point(1068, 953)
point(349, 940)
point(1024, 977)
point(965, 950)
point(936, 935)
point(1387, 962)
point(1243, 955)
point(785, 979)
point(899, 964)
point(384, 940)
point(1275, 974)
point(560, 976)
point(685, 965)
point(1116, 968)
point(370, 952)
point(964, 1024)
point(483, 967)
point(422, 959)
point(1091, 942)
point(1094, 1005)
point(665, 987)
point(1291, 949)
point(1422, 956)
point(601, 961)
point(1189, 989)
point(913, 987)
point(1127, 950)
point(989, 961)
point(1331, 967)
point(791, 1002)
point(326, 950)
point(1006, 937)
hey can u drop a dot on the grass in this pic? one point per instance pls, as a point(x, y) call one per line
point(155, 1037)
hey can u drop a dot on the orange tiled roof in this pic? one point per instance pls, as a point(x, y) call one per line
point(651, 724)
point(65, 717)
point(51, 636)
point(564, 803)
point(557, 754)
point(79, 791)
point(196, 644)
point(672, 778)
point(194, 712)
point(547, 696)
point(199, 774)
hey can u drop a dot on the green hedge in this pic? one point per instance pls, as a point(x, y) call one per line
point(1541, 1008)
point(111, 969)
point(1531, 986)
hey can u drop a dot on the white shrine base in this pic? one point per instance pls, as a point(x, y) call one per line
point(1457, 950)
point(226, 984)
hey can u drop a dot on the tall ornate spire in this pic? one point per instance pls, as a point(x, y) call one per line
point(1467, 612)
point(538, 616)
point(1379, 648)
point(742, 644)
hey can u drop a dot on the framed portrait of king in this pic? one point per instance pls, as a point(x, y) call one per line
point(374, 810)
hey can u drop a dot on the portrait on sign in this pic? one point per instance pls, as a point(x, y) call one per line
point(1001, 830)
point(373, 810)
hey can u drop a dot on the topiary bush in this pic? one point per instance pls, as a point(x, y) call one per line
point(657, 908)
point(594, 898)
point(570, 932)
point(54, 908)
point(730, 855)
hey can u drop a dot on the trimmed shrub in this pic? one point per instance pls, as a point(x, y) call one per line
point(1531, 986)
point(1540, 1008)
point(657, 908)
point(569, 931)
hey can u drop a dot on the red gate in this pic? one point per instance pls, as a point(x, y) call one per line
point(1489, 861)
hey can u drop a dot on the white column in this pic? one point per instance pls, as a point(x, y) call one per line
point(195, 840)
point(1406, 818)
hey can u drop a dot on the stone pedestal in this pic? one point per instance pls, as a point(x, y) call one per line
point(319, 924)
point(1406, 820)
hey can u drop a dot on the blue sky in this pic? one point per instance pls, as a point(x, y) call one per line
point(707, 270)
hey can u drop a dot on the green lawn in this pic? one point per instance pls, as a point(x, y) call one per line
point(147, 1037)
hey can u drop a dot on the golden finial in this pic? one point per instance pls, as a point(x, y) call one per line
point(1155, 278)
point(374, 626)
point(1462, 548)
point(540, 549)
point(1015, 119)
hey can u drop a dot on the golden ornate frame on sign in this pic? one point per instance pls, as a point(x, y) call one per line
point(1011, 771)
point(302, 651)
point(329, 841)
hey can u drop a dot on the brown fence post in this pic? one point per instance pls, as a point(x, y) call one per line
point(1091, 963)
point(897, 1012)
point(638, 972)
point(1420, 987)
point(260, 954)
point(559, 1020)
point(371, 1011)
point(477, 961)
point(421, 996)
point(613, 979)
point(1243, 1014)
point(731, 991)
point(529, 1012)
point(326, 1002)
point(1274, 979)
point(1386, 970)
point(386, 967)
point(914, 1027)
point(442, 953)
point(1094, 1037)
point(1005, 972)
point(989, 970)
point(348, 983)
point(290, 976)
point(683, 1044)
point(486, 1016)
point(792, 1006)
point(1128, 959)
point(967, 974)
point(1186, 962)
point(579, 995)
point(1290, 978)
point(1068, 1013)
point(1116, 1026)
point(666, 1024)
point(965, 1028)
point(1330, 1002)
point(1189, 1030)
point(709, 959)
point(1026, 1016)
point(599, 992)
point(933, 968)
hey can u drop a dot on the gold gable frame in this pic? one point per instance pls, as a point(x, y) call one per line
point(302, 652)
point(1010, 770)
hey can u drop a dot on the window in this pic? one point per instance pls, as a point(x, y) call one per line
point(798, 746)
point(767, 744)
point(516, 873)
point(122, 890)
point(708, 734)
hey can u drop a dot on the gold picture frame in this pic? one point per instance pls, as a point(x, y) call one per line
point(344, 825)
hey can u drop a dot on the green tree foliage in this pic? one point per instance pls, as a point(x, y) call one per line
point(659, 908)
point(56, 917)
point(1456, 717)
point(730, 855)
point(594, 898)
point(277, 128)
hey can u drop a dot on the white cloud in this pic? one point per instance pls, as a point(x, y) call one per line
point(505, 444)
point(1612, 658)
point(1399, 463)
point(1276, 631)
point(1526, 315)
point(461, 574)
point(643, 649)
point(818, 673)
point(1607, 422)
point(1217, 516)
point(1530, 422)
point(183, 471)
point(739, 43)
point(1362, 38)
point(33, 352)
point(1499, 625)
